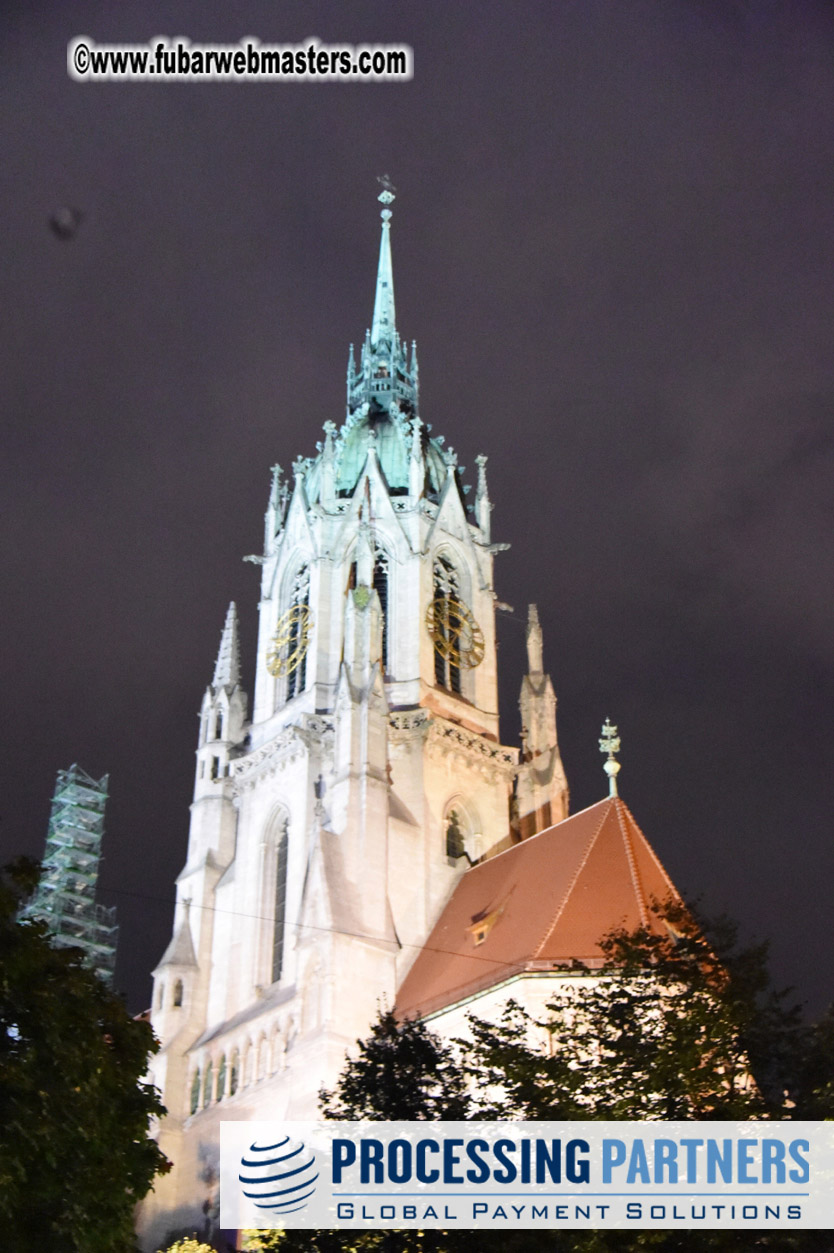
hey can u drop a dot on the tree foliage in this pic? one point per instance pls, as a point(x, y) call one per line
point(674, 1026)
point(401, 1072)
point(75, 1155)
point(189, 1245)
point(680, 1025)
point(813, 1091)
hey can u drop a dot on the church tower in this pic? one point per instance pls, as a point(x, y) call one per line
point(329, 831)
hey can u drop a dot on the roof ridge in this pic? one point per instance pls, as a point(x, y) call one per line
point(632, 862)
point(580, 867)
point(650, 849)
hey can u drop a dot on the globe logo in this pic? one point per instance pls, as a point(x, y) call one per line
point(279, 1177)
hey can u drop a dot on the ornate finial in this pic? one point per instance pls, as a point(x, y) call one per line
point(386, 196)
point(275, 486)
point(610, 744)
point(535, 662)
point(483, 505)
point(481, 463)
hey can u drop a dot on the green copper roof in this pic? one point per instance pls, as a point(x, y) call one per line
point(392, 439)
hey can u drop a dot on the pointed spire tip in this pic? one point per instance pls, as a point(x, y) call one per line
point(384, 323)
point(227, 666)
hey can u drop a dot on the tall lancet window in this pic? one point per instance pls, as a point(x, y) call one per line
point(447, 626)
point(297, 646)
point(381, 587)
point(280, 907)
point(380, 584)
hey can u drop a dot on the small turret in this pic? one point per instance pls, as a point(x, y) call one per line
point(173, 987)
point(223, 713)
point(541, 786)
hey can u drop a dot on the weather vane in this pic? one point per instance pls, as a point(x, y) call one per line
point(610, 743)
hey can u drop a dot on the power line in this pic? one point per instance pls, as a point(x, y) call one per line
point(308, 926)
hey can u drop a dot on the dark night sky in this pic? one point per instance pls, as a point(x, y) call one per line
point(613, 245)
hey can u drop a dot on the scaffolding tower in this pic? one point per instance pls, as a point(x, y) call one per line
point(65, 896)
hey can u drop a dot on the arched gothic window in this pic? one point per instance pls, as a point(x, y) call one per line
point(178, 994)
point(454, 835)
point(299, 596)
point(381, 588)
point(276, 1050)
point(380, 585)
point(195, 1092)
point(280, 906)
point(446, 587)
point(207, 1082)
point(462, 832)
point(221, 1078)
point(234, 1073)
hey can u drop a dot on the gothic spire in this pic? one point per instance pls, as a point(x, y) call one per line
point(382, 377)
point(227, 666)
point(383, 328)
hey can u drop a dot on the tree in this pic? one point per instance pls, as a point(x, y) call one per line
point(401, 1072)
point(813, 1092)
point(75, 1156)
point(674, 1026)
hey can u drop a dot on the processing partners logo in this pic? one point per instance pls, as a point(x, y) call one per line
point(279, 1177)
point(340, 1176)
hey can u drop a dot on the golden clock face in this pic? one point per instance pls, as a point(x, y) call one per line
point(455, 632)
point(289, 645)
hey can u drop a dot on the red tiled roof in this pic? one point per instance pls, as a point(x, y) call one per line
point(544, 903)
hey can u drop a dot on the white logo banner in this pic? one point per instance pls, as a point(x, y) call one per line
point(349, 1175)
